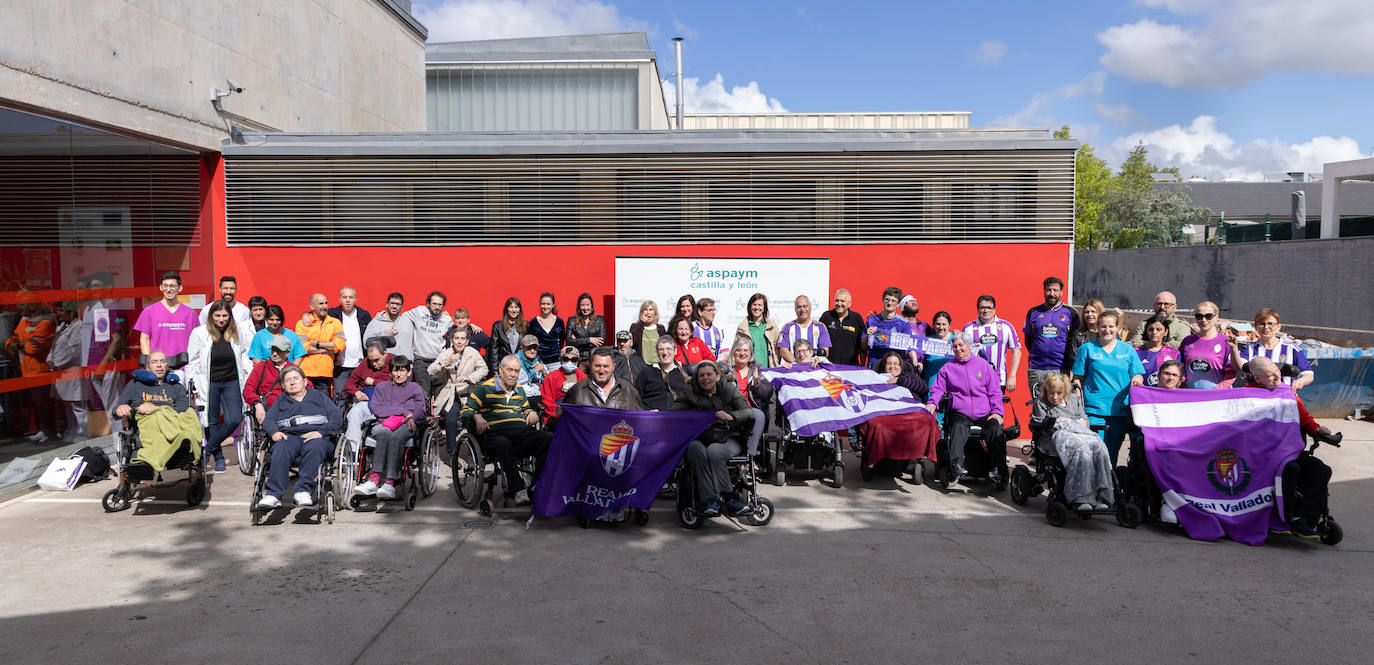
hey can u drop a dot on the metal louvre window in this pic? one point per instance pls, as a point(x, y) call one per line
point(105, 201)
point(1012, 196)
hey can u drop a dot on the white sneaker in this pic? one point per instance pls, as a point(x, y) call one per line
point(522, 498)
point(269, 501)
point(386, 491)
point(38, 437)
point(1102, 506)
point(1085, 507)
point(303, 499)
point(367, 488)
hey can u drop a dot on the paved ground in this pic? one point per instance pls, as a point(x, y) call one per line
point(879, 572)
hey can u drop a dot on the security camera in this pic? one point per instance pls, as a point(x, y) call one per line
point(233, 85)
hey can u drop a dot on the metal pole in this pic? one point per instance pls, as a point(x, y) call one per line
point(677, 46)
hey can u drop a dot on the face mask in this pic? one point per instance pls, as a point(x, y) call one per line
point(568, 367)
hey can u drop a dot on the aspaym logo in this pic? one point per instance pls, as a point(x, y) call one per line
point(618, 449)
point(694, 273)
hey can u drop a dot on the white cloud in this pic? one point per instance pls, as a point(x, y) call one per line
point(1038, 112)
point(1228, 43)
point(1202, 149)
point(461, 20)
point(988, 53)
point(712, 97)
point(1120, 115)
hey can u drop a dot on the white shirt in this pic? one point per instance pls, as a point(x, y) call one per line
point(604, 393)
point(353, 339)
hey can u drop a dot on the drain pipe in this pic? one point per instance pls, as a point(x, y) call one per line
point(677, 45)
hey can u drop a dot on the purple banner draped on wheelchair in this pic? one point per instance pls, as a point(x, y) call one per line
point(1218, 454)
point(604, 459)
point(830, 398)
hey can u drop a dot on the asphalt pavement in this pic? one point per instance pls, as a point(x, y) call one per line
point(880, 572)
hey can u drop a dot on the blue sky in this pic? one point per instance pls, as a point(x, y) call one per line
point(1220, 88)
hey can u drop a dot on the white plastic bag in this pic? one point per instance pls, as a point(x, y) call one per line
point(62, 474)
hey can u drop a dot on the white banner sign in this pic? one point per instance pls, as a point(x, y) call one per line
point(728, 281)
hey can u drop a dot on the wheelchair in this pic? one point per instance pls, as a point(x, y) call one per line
point(137, 476)
point(326, 496)
point(1326, 526)
point(977, 458)
point(1046, 473)
point(419, 466)
point(792, 454)
point(744, 482)
point(475, 475)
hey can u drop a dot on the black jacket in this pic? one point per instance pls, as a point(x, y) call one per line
point(364, 318)
point(726, 399)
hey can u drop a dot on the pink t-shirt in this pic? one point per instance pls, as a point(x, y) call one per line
point(167, 331)
point(1207, 361)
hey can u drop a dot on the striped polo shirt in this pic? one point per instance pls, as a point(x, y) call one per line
point(501, 409)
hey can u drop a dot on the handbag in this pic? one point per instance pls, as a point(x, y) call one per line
point(62, 474)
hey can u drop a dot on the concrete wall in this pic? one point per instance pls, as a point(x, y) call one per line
point(1327, 283)
point(147, 67)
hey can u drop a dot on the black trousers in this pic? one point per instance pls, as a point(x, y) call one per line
point(1304, 487)
point(956, 432)
point(508, 445)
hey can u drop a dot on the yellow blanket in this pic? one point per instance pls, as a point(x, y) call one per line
point(161, 433)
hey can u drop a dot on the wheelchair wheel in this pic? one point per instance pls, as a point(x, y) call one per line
point(641, 517)
point(116, 500)
point(412, 496)
point(1128, 515)
point(689, 515)
point(243, 447)
point(837, 475)
point(429, 462)
point(195, 492)
point(927, 469)
point(467, 471)
point(762, 513)
point(345, 471)
point(330, 505)
point(1332, 533)
point(939, 479)
point(1020, 485)
point(1057, 514)
point(865, 470)
point(484, 508)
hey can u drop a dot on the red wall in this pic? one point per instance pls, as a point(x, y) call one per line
point(946, 277)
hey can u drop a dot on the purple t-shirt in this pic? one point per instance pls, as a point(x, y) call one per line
point(167, 331)
point(1207, 361)
point(1151, 360)
point(1047, 334)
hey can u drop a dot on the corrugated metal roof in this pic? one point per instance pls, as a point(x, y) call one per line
point(263, 144)
point(610, 46)
point(1241, 200)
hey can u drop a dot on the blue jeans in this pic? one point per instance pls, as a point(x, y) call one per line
point(312, 454)
point(225, 397)
point(1117, 426)
point(451, 425)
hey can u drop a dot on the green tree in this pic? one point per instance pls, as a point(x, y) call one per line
point(1093, 178)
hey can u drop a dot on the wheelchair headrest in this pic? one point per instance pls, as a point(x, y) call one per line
point(147, 378)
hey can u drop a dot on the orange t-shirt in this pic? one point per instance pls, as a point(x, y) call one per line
point(328, 330)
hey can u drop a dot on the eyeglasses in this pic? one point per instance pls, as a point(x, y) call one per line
point(708, 309)
point(1165, 304)
point(1208, 316)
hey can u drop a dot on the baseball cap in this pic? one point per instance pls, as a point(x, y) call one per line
point(529, 340)
point(570, 351)
point(622, 335)
point(281, 344)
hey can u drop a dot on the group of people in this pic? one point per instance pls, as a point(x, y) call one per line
point(510, 382)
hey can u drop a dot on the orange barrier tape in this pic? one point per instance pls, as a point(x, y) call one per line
point(22, 383)
point(55, 295)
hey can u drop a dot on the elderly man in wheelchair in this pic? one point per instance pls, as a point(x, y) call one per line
point(299, 425)
point(166, 423)
point(504, 421)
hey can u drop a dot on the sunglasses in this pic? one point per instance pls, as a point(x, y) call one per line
point(1209, 316)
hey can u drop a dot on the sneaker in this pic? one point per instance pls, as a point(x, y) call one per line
point(959, 470)
point(736, 508)
point(303, 499)
point(1084, 507)
point(386, 491)
point(995, 474)
point(38, 437)
point(712, 508)
point(269, 501)
point(366, 488)
point(522, 498)
point(1280, 532)
point(1101, 506)
point(219, 462)
point(1302, 529)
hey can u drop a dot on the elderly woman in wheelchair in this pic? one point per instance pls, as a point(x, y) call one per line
point(299, 426)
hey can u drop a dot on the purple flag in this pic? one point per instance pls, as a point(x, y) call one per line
point(1218, 455)
point(829, 398)
point(604, 459)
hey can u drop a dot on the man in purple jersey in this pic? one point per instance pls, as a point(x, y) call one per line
point(1047, 330)
point(166, 325)
point(992, 337)
point(804, 327)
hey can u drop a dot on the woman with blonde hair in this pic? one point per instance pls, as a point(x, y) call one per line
point(1210, 356)
point(644, 332)
point(1087, 467)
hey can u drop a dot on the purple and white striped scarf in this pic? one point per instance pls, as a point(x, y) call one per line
point(835, 397)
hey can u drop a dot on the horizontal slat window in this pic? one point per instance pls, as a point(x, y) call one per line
point(1024, 196)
